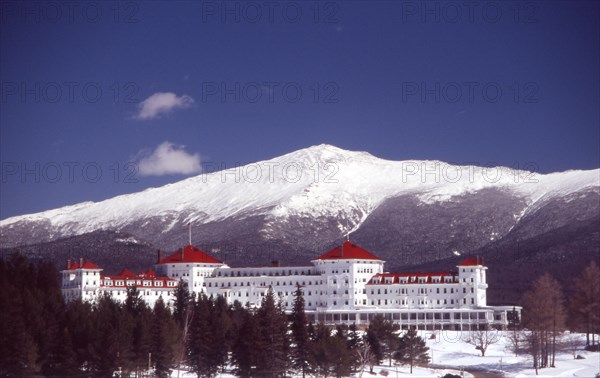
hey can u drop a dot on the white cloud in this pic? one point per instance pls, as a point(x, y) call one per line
point(168, 159)
point(161, 103)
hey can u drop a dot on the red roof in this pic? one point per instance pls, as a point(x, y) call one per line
point(127, 276)
point(348, 251)
point(472, 261)
point(396, 276)
point(86, 265)
point(126, 273)
point(150, 273)
point(189, 254)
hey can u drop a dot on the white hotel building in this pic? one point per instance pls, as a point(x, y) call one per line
point(345, 285)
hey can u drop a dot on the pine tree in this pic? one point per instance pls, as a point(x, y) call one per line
point(299, 327)
point(383, 338)
point(222, 330)
point(412, 350)
point(319, 350)
point(79, 322)
point(200, 357)
point(164, 334)
point(104, 338)
point(181, 302)
point(340, 353)
point(273, 355)
point(65, 362)
point(246, 347)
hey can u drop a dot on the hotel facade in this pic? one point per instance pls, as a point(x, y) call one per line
point(345, 285)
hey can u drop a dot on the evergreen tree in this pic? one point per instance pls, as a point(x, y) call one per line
point(65, 362)
point(18, 347)
point(320, 357)
point(164, 334)
point(340, 353)
point(201, 341)
point(300, 353)
point(142, 339)
point(412, 350)
point(245, 351)
point(354, 343)
point(79, 321)
point(273, 354)
point(222, 332)
point(105, 345)
point(182, 300)
point(383, 338)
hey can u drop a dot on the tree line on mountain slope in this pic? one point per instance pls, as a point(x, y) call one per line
point(43, 336)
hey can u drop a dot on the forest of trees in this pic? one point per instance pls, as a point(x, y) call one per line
point(41, 335)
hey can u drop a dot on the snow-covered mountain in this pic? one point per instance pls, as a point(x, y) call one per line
point(320, 182)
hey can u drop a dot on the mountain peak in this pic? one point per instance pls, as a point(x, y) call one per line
point(326, 153)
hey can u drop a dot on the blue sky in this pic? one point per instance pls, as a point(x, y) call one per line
point(87, 89)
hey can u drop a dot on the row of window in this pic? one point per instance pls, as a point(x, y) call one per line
point(240, 273)
point(157, 283)
point(419, 291)
point(249, 283)
point(406, 302)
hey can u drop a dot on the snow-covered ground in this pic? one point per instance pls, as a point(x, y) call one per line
point(456, 355)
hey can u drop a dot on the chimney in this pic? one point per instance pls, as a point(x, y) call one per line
point(275, 264)
point(158, 256)
point(342, 250)
point(68, 263)
point(80, 262)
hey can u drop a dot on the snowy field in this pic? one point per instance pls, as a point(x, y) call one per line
point(457, 356)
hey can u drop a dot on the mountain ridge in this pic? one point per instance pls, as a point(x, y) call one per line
point(319, 181)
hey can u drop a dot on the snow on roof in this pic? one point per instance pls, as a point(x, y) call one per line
point(190, 254)
point(348, 251)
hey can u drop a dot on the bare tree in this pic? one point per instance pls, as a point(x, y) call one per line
point(572, 344)
point(482, 339)
point(544, 317)
point(365, 357)
point(585, 304)
point(516, 341)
